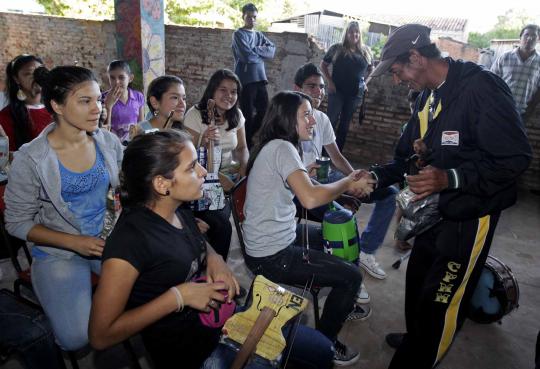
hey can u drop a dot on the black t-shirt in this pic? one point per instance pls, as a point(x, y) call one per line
point(164, 255)
point(348, 69)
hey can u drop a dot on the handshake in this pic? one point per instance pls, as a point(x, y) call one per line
point(361, 183)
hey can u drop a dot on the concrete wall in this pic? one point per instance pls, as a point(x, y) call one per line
point(195, 53)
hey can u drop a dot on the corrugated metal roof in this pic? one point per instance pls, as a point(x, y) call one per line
point(435, 23)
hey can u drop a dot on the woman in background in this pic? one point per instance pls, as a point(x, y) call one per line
point(351, 64)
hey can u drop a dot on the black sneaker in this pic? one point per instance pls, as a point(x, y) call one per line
point(344, 355)
point(394, 340)
point(359, 313)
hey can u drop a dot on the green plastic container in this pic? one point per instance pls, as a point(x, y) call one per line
point(340, 234)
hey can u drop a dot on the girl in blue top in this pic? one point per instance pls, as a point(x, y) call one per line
point(56, 199)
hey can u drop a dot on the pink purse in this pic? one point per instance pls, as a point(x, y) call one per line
point(216, 318)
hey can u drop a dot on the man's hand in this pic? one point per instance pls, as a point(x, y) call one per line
point(362, 184)
point(429, 180)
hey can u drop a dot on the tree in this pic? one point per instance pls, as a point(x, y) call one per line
point(181, 12)
point(88, 9)
point(508, 26)
point(207, 13)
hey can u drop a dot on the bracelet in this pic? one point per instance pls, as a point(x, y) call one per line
point(179, 299)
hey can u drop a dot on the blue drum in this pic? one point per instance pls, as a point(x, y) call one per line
point(496, 294)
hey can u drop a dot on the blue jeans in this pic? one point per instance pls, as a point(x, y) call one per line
point(64, 290)
point(27, 331)
point(379, 221)
point(309, 350)
point(340, 111)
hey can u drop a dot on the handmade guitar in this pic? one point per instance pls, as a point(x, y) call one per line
point(259, 329)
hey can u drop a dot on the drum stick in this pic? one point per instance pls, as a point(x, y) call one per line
point(398, 262)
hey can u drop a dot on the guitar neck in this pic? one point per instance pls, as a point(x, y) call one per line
point(210, 157)
point(248, 348)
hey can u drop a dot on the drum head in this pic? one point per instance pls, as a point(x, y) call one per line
point(496, 294)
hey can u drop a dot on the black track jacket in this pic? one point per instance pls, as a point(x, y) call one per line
point(478, 133)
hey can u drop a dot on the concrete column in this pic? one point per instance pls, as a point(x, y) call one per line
point(140, 38)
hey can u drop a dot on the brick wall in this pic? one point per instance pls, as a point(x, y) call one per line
point(57, 40)
point(194, 53)
point(458, 50)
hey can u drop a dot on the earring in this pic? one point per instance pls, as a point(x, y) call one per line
point(21, 96)
point(167, 193)
point(156, 113)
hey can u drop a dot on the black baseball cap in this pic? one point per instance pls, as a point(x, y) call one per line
point(400, 41)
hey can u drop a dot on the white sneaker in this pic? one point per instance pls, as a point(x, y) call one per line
point(370, 265)
point(363, 296)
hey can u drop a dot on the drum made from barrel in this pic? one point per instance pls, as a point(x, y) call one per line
point(340, 234)
point(496, 294)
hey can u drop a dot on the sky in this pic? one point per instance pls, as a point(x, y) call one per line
point(482, 14)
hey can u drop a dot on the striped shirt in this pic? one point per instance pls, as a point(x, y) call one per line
point(522, 76)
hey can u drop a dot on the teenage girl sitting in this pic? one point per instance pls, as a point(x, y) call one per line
point(273, 242)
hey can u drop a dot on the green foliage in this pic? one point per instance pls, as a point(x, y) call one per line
point(87, 9)
point(377, 48)
point(206, 13)
point(180, 12)
point(508, 26)
point(54, 7)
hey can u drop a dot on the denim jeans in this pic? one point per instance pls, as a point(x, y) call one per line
point(310, 349)
point(288, 267)
point(340, 111)
point(379, 221)
point(64, 290)
point(27, 332)
point(220, 232)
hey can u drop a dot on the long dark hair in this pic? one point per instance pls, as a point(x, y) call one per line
point(22, 124)
point(148, 156)
point(280, 121)
point(233, 114)
point(159, 86)
point(57, 83)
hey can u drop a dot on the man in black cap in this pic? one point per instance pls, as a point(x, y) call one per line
point(473, 146)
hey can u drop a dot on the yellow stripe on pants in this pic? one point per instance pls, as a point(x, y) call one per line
point(450, 320)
